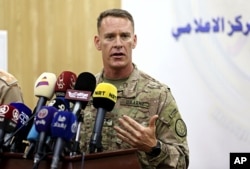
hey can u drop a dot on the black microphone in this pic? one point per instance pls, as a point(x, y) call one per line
point(63, 128)
point(104, 99)
point(80, 95)
point(84, 87)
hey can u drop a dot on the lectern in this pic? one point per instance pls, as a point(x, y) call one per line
point(122, 159)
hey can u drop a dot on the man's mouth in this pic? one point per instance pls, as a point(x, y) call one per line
point(118, 54)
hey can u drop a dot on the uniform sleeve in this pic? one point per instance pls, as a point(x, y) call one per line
point(171, 131)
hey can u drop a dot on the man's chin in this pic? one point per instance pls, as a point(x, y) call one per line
point(118, 65)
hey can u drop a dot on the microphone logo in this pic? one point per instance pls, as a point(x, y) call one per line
point(40, 120)
point(61, 119)
point(23, 118)
point(15, 115)
point(42, 113)
point(4, 109)
point(43, 82)
point(78, 95)
point(60, 84)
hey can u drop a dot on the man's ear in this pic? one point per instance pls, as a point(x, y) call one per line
point(97, 42)
point(135, 41)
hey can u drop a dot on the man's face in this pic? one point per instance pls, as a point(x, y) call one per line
point(116, 40)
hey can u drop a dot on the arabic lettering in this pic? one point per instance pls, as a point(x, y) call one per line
point(216, 25)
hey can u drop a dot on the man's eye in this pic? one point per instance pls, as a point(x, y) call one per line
point(109, 37)
point(125, 36)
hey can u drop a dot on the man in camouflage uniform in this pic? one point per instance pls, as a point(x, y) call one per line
point(145, 115)
point(9, 89)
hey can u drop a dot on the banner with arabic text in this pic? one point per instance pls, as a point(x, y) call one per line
point(201, 50)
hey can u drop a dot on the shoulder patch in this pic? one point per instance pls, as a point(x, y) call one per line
point(180, 128)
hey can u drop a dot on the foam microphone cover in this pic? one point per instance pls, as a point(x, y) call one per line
point(85, 82)
point(9, 116)
point(105, 96)
point(33, 134)
point(66, 80)
point(60, 103)
point(45, 85)
point(24, 114)
point(44, 118)
point(23, 127)
point(64, 125)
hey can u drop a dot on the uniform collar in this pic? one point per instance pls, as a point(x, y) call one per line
point(128, 89)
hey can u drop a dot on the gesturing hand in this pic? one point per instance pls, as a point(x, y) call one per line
point(135, 134)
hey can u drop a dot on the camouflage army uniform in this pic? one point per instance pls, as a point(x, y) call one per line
point(140, 97)
point(9, 89)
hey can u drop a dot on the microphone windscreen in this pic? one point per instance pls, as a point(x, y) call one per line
point(105, 96)
point(60, 103)
point(24, 113)
point(64, 125)
point(84, 87)
point(9, 116)
point(45, 85)
point(85, 81)
point(44, 118)
point(66, 80)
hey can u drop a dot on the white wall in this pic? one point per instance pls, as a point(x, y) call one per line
point(208, 72)
point(3, 50)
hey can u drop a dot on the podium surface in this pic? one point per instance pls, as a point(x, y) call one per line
point(122, 159)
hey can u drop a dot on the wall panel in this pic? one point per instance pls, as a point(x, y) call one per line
point(50, 36)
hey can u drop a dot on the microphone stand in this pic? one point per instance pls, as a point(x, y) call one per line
point(76, 143)
point(96, 146)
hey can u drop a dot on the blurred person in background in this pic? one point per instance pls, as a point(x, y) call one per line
point(10, 91)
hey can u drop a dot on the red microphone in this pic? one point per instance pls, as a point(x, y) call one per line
point(66, 80)
point(9, 116)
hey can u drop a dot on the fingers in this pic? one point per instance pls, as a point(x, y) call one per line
point(130, 122)
point(124, 135)
point(129, 128)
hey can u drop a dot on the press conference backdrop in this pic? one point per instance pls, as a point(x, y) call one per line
point(201, 50)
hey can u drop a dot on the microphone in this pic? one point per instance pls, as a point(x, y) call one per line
point(84, 87)
point(8, 121)
point(44, 90)
point(42, 123)
point(66, 80)
point(80, 95)
point(23, 125)
point(63, 128)
point(60, 103)
point(104, 99)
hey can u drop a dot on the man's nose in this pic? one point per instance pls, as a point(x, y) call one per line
point(118, 42)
